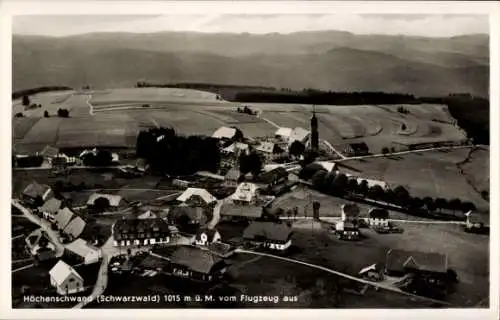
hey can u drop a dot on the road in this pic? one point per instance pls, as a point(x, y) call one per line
point(44, 225)
point(216, 213)
point(370, 283)
point(91, 107)
point(334, 219)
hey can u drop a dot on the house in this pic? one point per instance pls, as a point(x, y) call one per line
point(205, 237)
point(65, 279)
point(283, 134)
point(114, 200)
point(299, 134)
point(36, 192)
point(239, 212)
point(236, 149)
point(357, 149)
point(85, 252)
point(75, 227)
point(63, 217)
point(378, 217)
point(347, 230)
point(274, 177)
point(180, 183)
point(225, 133)
point(474, 220)
point(246, 193)
point(42, 249)
point(197, 197)
point(49, 153)
point(197, 264)
point(327, 165)
point(136, 232)
point(141, 165)
point(428, 266)
point(147, 215)
point(269, 234)
point(50, 208)
point(350, 212)
point(270, 150)
point(374, 272)
point(232, 178)
point(187, 215)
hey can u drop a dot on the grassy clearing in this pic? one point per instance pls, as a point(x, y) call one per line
point(429, 173)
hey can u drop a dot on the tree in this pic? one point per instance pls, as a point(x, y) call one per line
point(319, 180)
point(339, 184)
point(19, 115)
point(416, 203)
point(26, 101)
point(352, 185)
point(403, 127)
point(101, 204)
point(297, 148)
point(468, 206)
point(250, 163)
point(363, 188)
point(455, 205)
point(103, 158)
point(402, 196)
point(429, 203)
point(385, 150)
point(376, 192)
point(441, 204)
point(46, 114)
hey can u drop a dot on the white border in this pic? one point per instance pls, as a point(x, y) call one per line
point(10, 8)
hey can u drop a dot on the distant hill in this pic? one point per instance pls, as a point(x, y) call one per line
point(330, 60)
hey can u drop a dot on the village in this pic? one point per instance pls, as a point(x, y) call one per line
point(194, 228)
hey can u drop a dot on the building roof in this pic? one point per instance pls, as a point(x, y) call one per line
point(236, 146)
point(75, 227)
point(81, 247)
point(283, 132)
point(233, 174)
point(276, 231)
point(377, 213)
point(398, 260)
point(51, 206)
point(63, 217)
point(195, 259)
point(194, 213)
point(140, 225)
point(210, 233)
point(35, 189)
point(327, 165)
point(268, 147)
point(147, 215)
point(249, 211)
point(114, 199)
point(49, 151)
point(61, 271)
point(220, 248)
point(377, 267)
point(272, 175)
point(350, 209)
point(245, 192)
point(299, 134)
point(224, 132)
point(202, 193)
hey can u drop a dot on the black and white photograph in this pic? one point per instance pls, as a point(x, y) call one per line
point(313, 159)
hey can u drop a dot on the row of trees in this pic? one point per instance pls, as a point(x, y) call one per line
point(167, 152)
point(102, 158)
point(338, 184)
point(63, 113)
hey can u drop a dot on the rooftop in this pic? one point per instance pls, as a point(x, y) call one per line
point(197, 192)
point(196, 259)
point(248, 211)
point(114, 200)
point(140, 225)
point(398, 260)
point(61, 271)
point(269, 230)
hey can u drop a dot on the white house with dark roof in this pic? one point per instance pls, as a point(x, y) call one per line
point(65, 279)
point(270, 150)
point(269, 234)
point(236, 148)
point(196, 196)
point(205, 237)
point(35, 190)
point(378, 217)
point(246, 193)
point(84, 251)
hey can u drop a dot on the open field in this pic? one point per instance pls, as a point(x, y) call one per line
point(119, 116)
point(477, 169)
point(429, 173)
point(468, 254)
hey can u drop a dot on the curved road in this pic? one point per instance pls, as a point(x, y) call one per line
point(370, 283)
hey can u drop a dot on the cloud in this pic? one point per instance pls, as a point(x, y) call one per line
point(391, 24)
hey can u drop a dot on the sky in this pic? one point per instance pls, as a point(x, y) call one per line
point(435, 25)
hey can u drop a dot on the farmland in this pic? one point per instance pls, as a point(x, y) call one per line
point(429, 173)
point(119, 115)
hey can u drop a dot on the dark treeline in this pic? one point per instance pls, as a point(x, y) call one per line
point(472, 114)
point(323, 97)
point(27, 92)
point(202, 86)
point(167, 152)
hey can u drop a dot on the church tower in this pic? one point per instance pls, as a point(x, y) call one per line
point(314, 131)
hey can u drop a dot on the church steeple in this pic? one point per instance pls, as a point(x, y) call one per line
point(314, 131)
